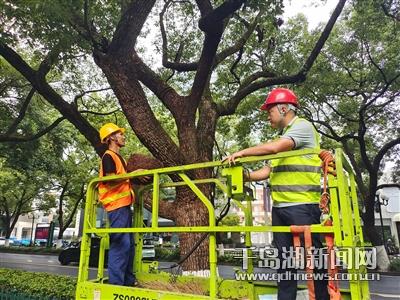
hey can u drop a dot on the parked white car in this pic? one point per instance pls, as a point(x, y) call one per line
point(3, 241)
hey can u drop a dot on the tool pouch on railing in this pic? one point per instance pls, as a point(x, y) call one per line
point(234, 181)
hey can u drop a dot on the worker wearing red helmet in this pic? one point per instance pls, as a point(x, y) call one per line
point(294, 181)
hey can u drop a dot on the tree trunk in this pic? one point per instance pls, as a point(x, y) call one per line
point(9, 229)
point(369, 221)
point(193, 146)
point(192, 212)
point(382, 258)
point(371, 231)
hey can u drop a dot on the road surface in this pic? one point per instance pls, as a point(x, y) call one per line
point(387, 288)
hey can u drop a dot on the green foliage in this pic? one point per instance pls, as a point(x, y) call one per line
point(17, 192)
point(281, 51)
point(167, 254)
point(230, 220)
point(395, 265)
point(229, 259)
point(41, 285)
point(56, 167)
point(227, 241)
point(352, 91)
point(396, 173)
point(30, 250)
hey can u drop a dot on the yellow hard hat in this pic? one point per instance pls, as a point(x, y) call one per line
point(108, 129)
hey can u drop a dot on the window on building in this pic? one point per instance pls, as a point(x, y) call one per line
point(25, 233)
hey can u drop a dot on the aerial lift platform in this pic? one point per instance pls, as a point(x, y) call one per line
point(341, 222)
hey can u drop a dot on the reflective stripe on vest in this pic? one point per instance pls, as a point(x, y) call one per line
point(115, 194)
point(297, 188)
point(297, 178)
point(297, 168)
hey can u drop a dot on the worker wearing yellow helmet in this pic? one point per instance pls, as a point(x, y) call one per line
point(108, 129)
point(117, 197)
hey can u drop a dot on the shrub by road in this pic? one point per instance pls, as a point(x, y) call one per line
point(41, 286)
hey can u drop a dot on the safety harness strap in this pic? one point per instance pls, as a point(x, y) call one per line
point(306, 230)
point(328, 166)
point(333, 283)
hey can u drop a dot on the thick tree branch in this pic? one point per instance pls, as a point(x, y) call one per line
point(350, 153)
point(38, 82)
point(176, 104)
point(21, 114)
point(164, 34)
point(230, 106)
point(210, 46)
point(17, 62)
point(362, 129)
point(60, 205)
point(240, 42)
point(257, 75)
point(44, 68)
point(212, 18)
point(206, 125)
point(221, 56)
point(385, 148)
point(322, 39)
point(130, 25)
point(166, 209)
point(168, 96)
point(79, 198)
point(180, 66)
point(204, 6)
point(235, 63)
point(123, 79)
point(99, 113)
point(176, 65)
point(213, 25)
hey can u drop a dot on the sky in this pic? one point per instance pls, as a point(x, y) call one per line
point(315, 11)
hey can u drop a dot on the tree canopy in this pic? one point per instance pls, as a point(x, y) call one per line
point(353, 96)
point(215, 54)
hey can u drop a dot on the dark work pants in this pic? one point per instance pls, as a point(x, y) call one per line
point(303, 214)
point(122, 246)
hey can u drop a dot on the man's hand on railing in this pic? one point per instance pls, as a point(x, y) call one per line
point(142, 179)
point(231, 159)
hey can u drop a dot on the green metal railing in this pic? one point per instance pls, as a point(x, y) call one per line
point(344, 206)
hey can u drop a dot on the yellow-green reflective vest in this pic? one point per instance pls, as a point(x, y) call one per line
point(297, 178)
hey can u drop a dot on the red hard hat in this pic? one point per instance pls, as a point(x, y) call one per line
point(280, 96)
